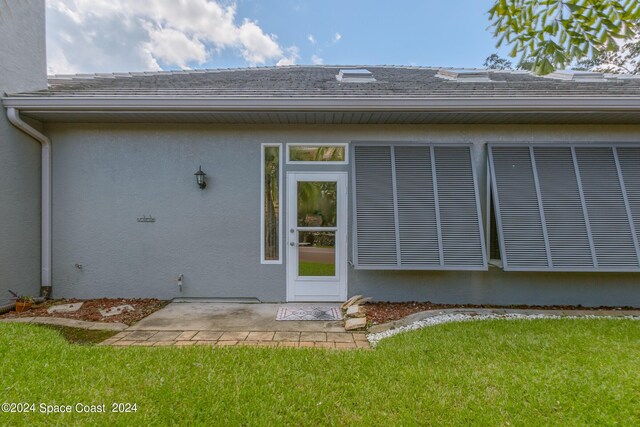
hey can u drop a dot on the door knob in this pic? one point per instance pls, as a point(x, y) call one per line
point(292, 243)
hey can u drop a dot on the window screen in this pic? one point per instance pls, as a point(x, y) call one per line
point(416, 207)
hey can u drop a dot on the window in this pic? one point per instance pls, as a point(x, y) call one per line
point(567, 207)
point(317, 153)
point(271, 198)
point(416, 208)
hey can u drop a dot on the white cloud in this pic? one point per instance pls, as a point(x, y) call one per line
point(337, 37)
point(316, 60)
point(294, 55)
point(257, 47)
point(125, 35)
point(311, 39)
point(174, 47)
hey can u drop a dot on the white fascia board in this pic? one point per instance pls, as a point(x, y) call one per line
point(167, 104)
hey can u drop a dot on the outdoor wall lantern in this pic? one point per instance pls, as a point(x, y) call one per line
point(200, 178)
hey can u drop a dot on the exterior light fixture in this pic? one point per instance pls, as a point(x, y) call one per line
point(200, 178)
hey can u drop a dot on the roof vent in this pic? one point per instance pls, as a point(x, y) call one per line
point(577, 76)
point(462, 75)
point(358, 75)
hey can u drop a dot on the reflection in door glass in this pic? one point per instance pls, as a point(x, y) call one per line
point(317, 204)
point(317, 253)
point(323, 153)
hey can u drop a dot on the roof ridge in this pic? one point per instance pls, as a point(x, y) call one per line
point(116, 74)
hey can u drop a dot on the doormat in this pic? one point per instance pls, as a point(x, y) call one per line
point(309, 313)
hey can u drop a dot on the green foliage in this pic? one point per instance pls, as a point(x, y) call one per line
point(495, 62)
point(560, 372)
point(554, 33)
point(624, 60)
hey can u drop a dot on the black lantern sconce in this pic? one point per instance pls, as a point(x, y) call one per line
point(200, 178)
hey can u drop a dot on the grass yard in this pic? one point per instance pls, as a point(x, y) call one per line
point(498, 372)
point(316, 269)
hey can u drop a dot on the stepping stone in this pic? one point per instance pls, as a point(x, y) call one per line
point(356, 311)
point(339, 337)
point(207, 336)
point(355, 323)
point(65, 308)
point(116, 310)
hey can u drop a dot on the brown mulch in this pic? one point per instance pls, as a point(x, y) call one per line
point(383, 312)
point(89, 310)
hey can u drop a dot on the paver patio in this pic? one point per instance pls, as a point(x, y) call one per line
point(339, 340)
point(233, 324)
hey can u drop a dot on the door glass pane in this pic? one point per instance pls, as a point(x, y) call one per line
point(310, 153)
point(317, 253)
point(317, 204)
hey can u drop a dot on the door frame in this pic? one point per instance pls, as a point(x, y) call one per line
point(342, 248)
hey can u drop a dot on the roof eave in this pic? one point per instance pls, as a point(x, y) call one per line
point(237, 104)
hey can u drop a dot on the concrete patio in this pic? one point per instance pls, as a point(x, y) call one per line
point(225, 324)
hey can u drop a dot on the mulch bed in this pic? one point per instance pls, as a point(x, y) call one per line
point(383, 312)
point(89, 310)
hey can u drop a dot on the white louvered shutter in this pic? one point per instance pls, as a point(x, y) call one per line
point(419, 204)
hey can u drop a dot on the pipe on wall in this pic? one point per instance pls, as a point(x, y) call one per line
point(13, 115)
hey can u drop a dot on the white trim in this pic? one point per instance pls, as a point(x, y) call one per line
point(577, 103)
point(280, 189)
point(345, 145)
point(340, 279)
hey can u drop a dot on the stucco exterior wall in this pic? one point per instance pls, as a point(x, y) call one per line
point(105, 176)
point(22, 67)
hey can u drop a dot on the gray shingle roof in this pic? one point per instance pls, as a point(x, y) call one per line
point(320, 82)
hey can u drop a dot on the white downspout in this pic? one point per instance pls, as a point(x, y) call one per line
point(14, 117)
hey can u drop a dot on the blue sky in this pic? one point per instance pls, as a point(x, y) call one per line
point(423, 32)
point(126, 35)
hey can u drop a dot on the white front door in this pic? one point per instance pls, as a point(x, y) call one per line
point(316, 236)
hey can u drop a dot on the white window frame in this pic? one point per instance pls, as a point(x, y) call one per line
point(280, 206)
point(345, 145)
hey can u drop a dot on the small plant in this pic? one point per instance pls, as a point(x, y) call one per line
point(23, 302)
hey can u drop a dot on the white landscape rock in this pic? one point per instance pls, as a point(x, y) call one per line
point(460, 317)
point(116, 310)
point(65, 308)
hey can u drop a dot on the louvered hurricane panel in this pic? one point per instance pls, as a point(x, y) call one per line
point(563, 210)
point(460, 223)
point(517, 209)
point(375, 218)
point(629, 158)
point(417, 222)
point(608, 219)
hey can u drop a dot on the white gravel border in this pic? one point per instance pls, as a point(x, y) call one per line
point(440, 319)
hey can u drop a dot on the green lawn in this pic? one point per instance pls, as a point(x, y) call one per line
point(316, 269)
point(518, 372)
